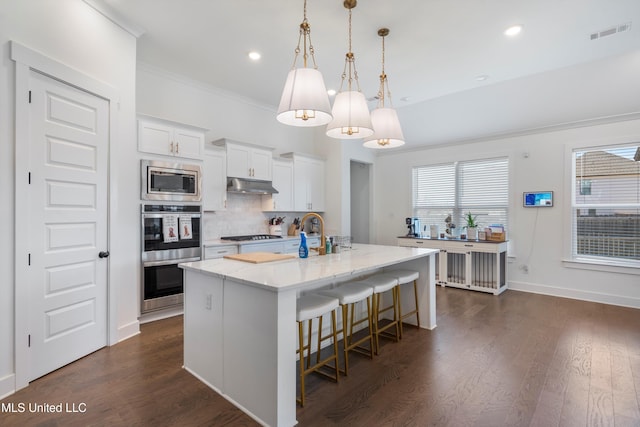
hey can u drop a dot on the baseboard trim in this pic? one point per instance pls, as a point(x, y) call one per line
point(7, 386)
point(129, 330)
point(575, 294)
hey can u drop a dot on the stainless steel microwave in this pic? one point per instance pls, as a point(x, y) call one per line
point(176, 182)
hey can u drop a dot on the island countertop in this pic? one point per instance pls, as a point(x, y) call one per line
point(297, 273)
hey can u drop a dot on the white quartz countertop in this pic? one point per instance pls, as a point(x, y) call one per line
point(298, 273)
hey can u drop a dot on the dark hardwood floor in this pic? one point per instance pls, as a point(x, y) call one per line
point(518, 359)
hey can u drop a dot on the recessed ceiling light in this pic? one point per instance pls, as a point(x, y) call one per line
point(482, 77)
point(331, 92)
point(405, 98)
point(513, 31)
point(254, 55)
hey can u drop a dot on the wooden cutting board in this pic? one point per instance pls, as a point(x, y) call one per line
point(259, 257)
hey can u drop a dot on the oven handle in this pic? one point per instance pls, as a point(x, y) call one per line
point(169, 262)
point(163, 214)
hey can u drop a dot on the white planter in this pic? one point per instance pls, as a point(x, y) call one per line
point(472, 233)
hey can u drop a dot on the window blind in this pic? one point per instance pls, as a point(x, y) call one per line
point(484, 190)
point(478, 186)
point(434, 193)
point(606, 203)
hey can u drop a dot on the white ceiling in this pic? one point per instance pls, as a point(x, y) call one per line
point(551, 74)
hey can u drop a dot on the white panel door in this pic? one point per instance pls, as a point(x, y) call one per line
point(68, 224)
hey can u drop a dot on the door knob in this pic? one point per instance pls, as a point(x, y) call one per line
point(103, 254)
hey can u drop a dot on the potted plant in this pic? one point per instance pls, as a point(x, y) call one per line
point(472, 226)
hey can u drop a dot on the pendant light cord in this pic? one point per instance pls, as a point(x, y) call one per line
point(383, 32)
point(350, 62)
point(304, 34)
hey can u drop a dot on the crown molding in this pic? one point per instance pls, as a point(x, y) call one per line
point(115, 17)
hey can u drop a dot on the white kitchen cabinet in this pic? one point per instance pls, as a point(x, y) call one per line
point(312, 241)
point(476, 265)
point(265, 246)
point(308, 183)
point(168, 138)
point(214, 180)
point(219, 251)
point(247, 160)
point(284, 246)
point(283, 182)
point(291, 246)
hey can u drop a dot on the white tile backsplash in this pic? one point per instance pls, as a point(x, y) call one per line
point(243, 216)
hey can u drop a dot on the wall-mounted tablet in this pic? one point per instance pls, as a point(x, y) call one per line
point(536, 199)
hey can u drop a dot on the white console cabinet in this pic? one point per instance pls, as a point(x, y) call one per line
point(476, 265)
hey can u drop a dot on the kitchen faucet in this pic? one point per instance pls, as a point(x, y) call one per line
point(322, 250)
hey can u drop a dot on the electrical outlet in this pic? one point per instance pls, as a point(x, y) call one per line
point(208, 301)
point(524, 268)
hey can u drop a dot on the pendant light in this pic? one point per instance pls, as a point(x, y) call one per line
point(351, 118)
point(386, 126)
point(304, 100)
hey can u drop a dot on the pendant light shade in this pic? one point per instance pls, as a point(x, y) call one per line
point(386, 126)
point(351, 119)
point(388, 133)
point(304, 100)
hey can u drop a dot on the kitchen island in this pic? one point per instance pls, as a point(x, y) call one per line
point(240, 319)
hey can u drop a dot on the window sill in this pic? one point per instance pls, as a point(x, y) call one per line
point(600, 265)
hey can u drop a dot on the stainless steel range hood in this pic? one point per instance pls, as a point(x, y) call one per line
point(249, 186)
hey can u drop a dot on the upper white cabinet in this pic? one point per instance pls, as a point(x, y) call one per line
point(214, 179)
point(308, 182)
point(168, 138)
point(283, 182)
point(247, 160)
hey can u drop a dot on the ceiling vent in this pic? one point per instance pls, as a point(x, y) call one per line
point(611, 31)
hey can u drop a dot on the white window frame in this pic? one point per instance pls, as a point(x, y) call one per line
point(458, 211)
point(570, 259)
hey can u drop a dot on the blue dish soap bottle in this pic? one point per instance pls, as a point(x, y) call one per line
point(303, 250)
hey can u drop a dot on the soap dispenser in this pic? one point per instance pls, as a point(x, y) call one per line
point(303, 250)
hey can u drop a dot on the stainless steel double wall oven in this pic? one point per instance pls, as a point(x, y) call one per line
point(171, 234)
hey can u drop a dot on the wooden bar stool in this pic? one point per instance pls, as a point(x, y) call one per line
point(380, 284)
point(348, 295)
point(311, 307)
point(404, 277)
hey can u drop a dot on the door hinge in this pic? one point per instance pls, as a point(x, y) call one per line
point(29, 341)
point(29, 177)
point(29, 97)
point(29, 259)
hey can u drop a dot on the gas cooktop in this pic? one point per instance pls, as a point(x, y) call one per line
point(251, 237)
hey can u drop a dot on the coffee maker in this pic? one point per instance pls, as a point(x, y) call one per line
point(413, 224)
